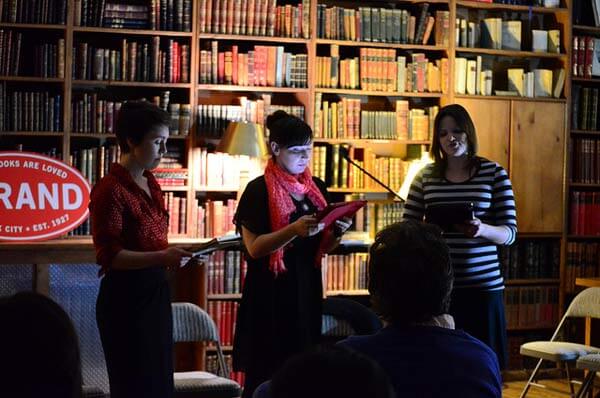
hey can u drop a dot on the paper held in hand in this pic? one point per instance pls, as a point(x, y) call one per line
point(218, 243)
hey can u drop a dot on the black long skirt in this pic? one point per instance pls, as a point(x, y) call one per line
point(133, 312)
point(481, 314)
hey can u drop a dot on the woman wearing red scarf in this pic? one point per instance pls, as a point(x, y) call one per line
point(280, 312)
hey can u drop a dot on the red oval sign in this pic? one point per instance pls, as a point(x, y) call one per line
point(40, 197)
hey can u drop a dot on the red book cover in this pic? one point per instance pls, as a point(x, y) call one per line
point(575, 212)
point(581, 230)
point(227, 324)
point(209, 16)
point(219, 318)
point(234, 60)
point(221, 68)
point(595, 214)
point(230, 16)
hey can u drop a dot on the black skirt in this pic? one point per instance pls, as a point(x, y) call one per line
point(481, 314)
point(134, 318)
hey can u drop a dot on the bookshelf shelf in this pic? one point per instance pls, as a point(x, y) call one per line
point(509, 7)
point(586, 80)
point(361, 292)
point(224, 348)
point(217, 189)
point(232, 296)
point(376, 93)
point(167, 188)
point(32, 79)
point(141, 32)
point(256, 89)
point(357, 190)
point(586, 29)
point(115, 83)
point(367, 141)
point(583, 237)
point(546, 235)
point(274, 39)
point(530, 328)
point(584, 185)
point(349, 43)
point(32, 26)
point(33, 133)
point(511, 97)
point(507, 53)
point(549, 281)
point(585, 132)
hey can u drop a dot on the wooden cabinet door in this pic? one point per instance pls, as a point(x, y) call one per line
point(492, 124)
point(537, 164)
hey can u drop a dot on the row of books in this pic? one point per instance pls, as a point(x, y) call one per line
point(582, 261)
point(586, 160)
point(536, 83)
point(177, 208)
point(345, 272)
point(226, 271)
point(584, 102)
point(213, 119)
point(213, 218)
point(584, 57)
point(220, 170)
point(33, 11)
point(164, 61)
point(212, 366)
point(263, 66)
point(30, 111)
point(94, 163)
point(530, 259)
point(331, 167)
point(345, 119)
point(382, 25)
point(99, 116)
point(379, 69)
point(585, 213)
point(255, 17)
point(156, 14)
point(471, 78)
point(43, 60)
point(531, 306)
point(171, 176)
point(224, 314)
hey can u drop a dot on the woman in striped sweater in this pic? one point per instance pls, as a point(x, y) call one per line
point(458, 175)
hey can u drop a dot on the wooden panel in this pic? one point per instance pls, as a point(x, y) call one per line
point(492, 123)
point(537, 164)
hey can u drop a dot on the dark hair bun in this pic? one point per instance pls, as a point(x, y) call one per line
point(273, 118)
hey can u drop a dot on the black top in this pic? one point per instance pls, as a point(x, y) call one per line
point(279, 315)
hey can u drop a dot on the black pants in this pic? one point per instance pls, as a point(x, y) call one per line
point(481, 314)
point(134, 318)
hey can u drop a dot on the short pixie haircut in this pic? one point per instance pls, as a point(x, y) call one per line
point(136, 119)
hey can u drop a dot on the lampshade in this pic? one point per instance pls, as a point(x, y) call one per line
point(243, 138)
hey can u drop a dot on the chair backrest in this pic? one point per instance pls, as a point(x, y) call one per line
point(585, 304)
point(192, 324)
point(343, 317)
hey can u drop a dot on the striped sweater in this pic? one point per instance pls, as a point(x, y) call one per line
point(475, 260)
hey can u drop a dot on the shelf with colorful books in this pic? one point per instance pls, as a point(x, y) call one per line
point(128, 32)
point(173, 188)
point(377, 93)
point(348, 43)
point(585, 132)
point(266, 39)
point(360, 292)
point(481, 5)
point(22, 12)
point(232, 296)
point(256, 89)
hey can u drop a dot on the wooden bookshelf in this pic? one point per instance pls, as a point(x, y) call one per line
point(593, 80)
point(533, 281)
point(32, 79)
point(585, 132)
point(131, 32)
point(586, 29)
point(368, 141)
point(508, 53)
point(235, 296)
point(349, 43)
point(117, 83)
point(266, 39)
point(32, 133)
point(341, 91)
point(509, 7)
point(252, 89)
point(581, 185)
point(32, 26)
point(511, 98)
point(361, 292)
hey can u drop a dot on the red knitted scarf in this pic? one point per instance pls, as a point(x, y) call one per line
point(279, 186)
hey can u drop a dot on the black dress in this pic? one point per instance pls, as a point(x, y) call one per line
point(278, 316)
